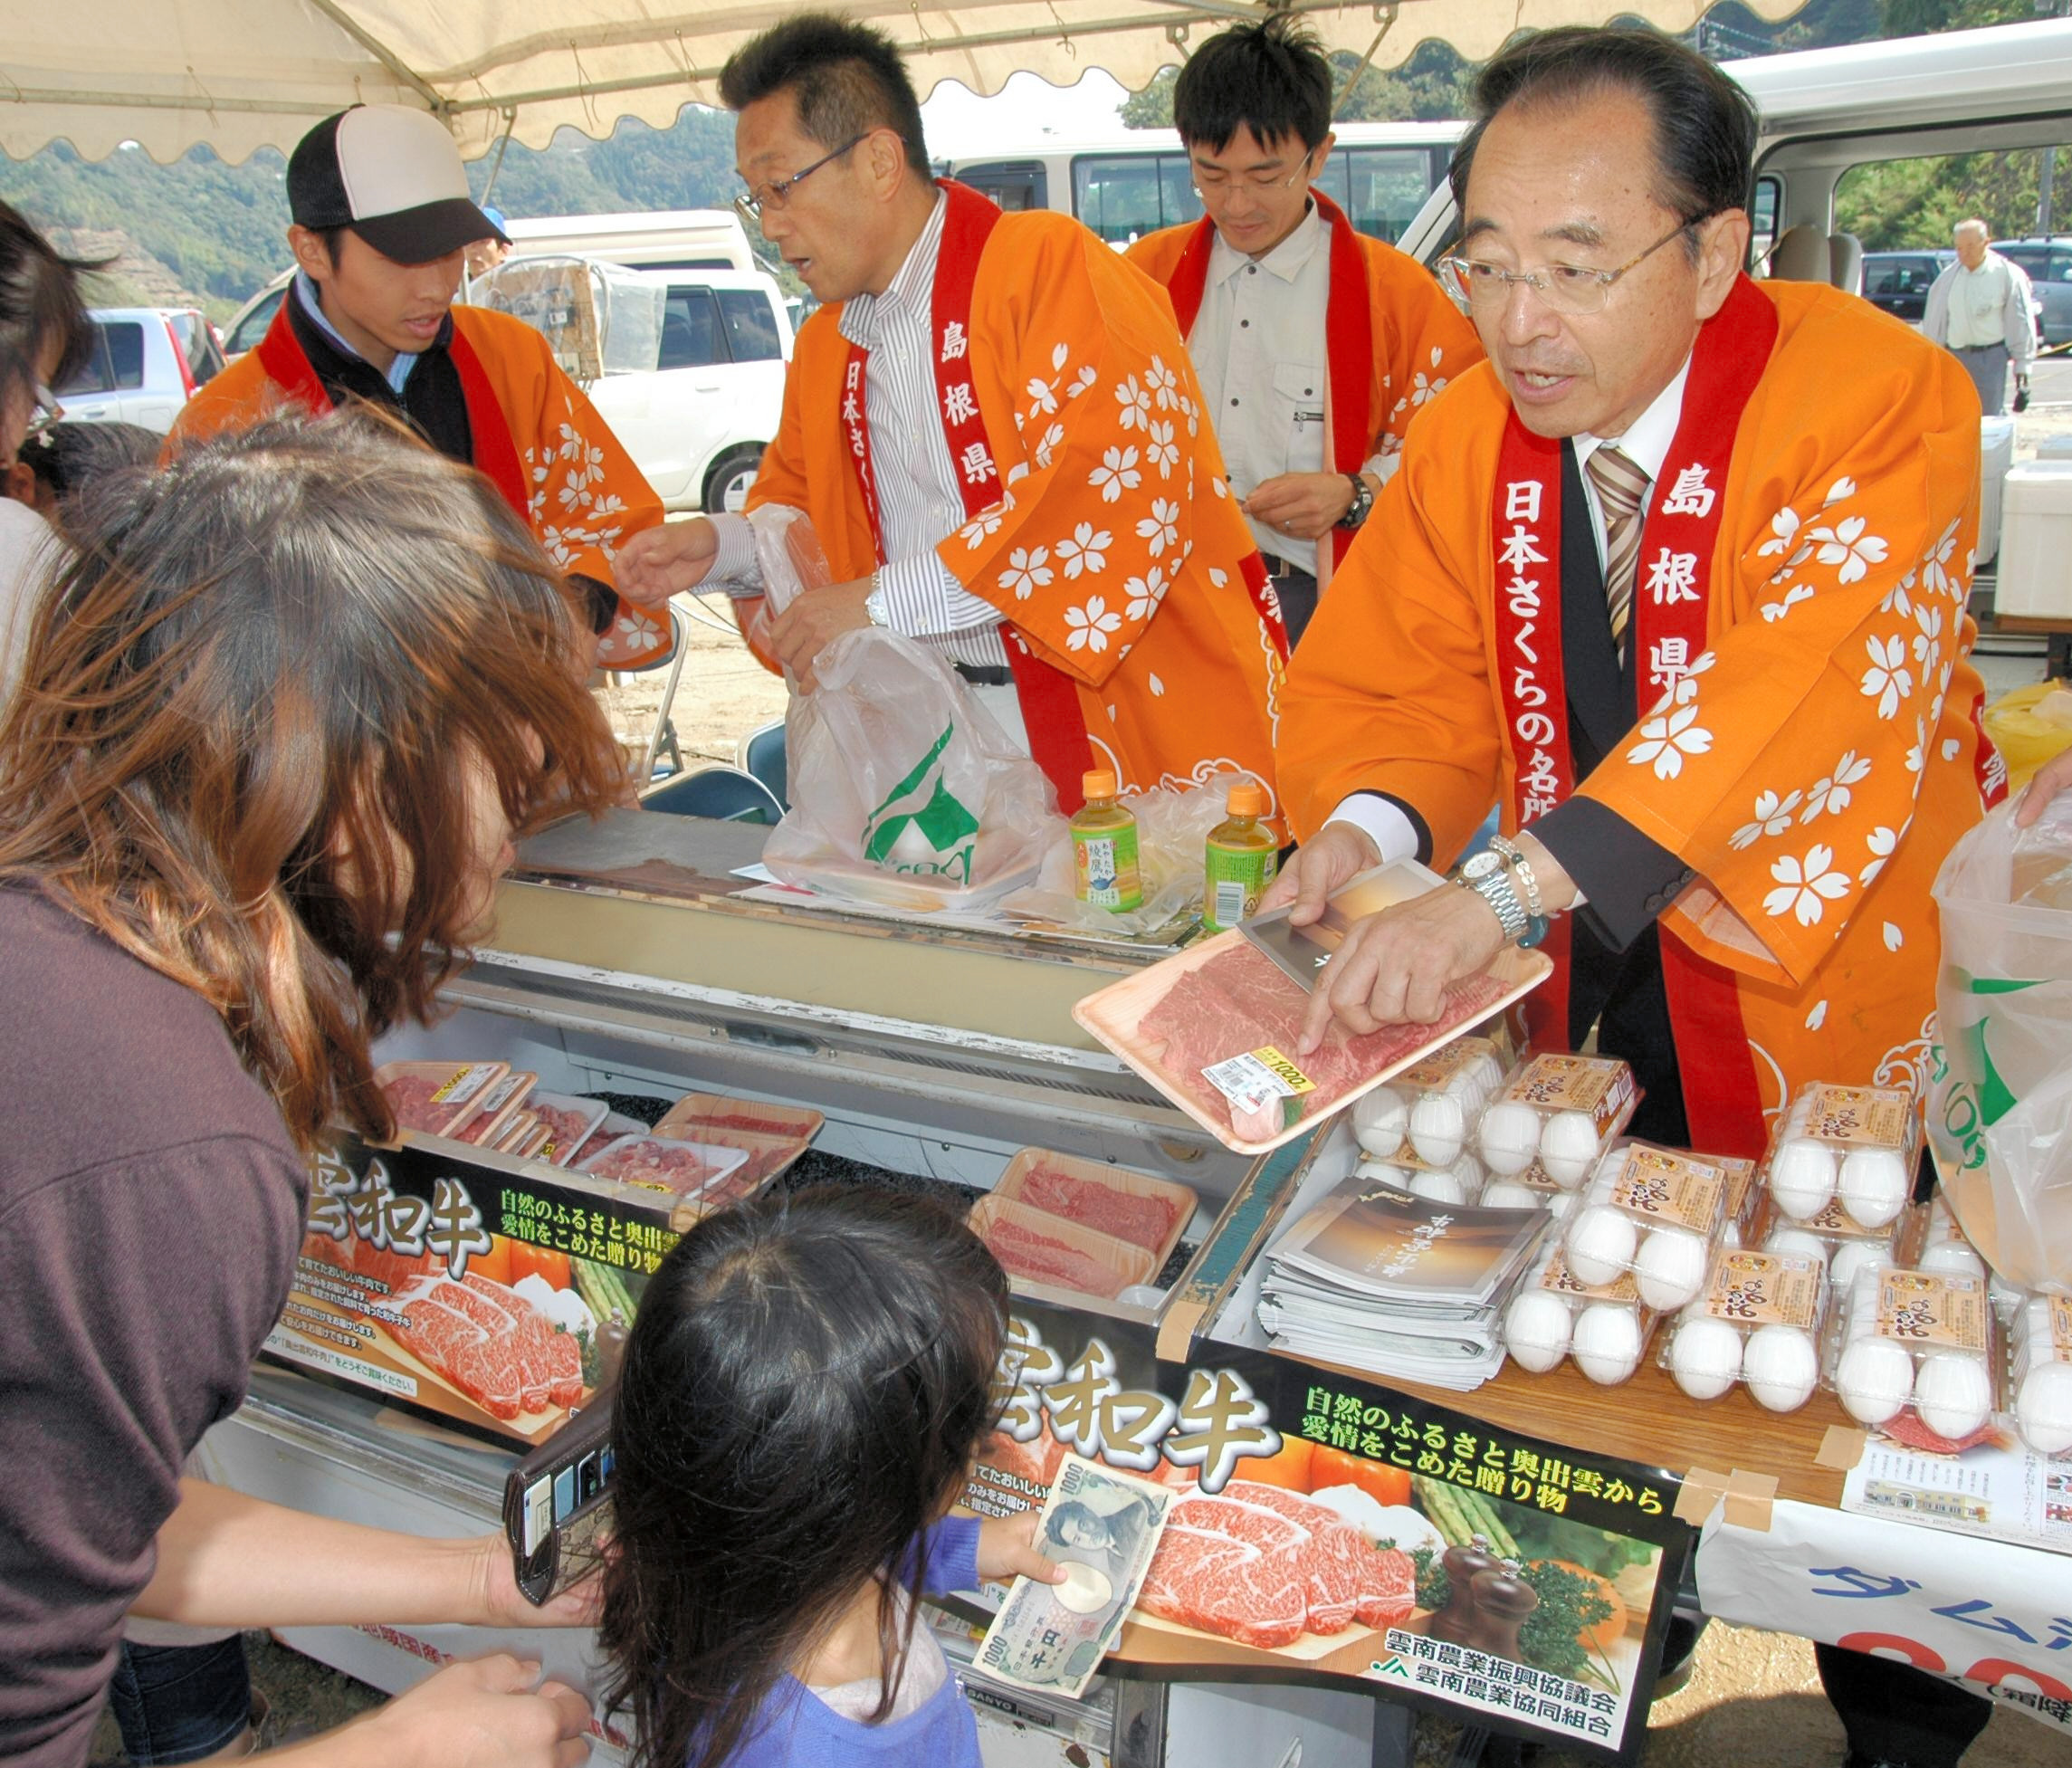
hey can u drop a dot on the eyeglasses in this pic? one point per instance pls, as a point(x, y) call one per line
point(1217, 184)
point(45, 412)
point(775, 193)
point(1566, 287)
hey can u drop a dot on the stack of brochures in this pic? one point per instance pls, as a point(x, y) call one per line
point(1377, 1279)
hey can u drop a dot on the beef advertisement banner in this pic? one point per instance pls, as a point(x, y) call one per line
point(1329, 1527)
point(493, 1302)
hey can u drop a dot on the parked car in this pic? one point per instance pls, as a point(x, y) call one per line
point(697, 422)
point(249, 326)
point(145, 364)
point(1899, 281)
point(2048, 263)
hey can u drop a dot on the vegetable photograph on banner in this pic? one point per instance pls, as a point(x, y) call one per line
point(1324, 1527)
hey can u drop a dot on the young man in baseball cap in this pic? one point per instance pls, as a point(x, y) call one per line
point(382, 221)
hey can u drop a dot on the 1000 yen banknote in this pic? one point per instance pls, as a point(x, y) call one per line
point(1102, 1527)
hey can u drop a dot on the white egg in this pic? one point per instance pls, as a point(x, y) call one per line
point(1569, 1147)
point(1384, 1172)
point(1438, 1188)
point(1874, 1379)
point(1951, 1258)
point(1536, 1330)
point(1781, 1367)
point(2032, 1323)
point(1508, 1136)
point(1488, 1072)
point(1798, 1240)
point(1670, 1269)
point(1561, 1205)
point(1381, 1119)
point(1953, 1393)
point(1504, 1194)
point(1873, 1185)
point(1599, 1244)
point(1439, 1127)
point(2044, 1408)
point(1802, 1177)
point(1705, 1357)
point(1853, 1258)
point(1605, 1343)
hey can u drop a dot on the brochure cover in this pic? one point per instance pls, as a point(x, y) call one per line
point(1304, 951)
point(1376, 1242)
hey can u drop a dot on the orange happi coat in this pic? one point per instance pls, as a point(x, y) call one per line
point(1392, 339)
point(1109, 543)
point(536, 437)
point(1814, 764)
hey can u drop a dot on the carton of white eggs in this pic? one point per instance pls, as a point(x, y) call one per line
point(1757, 1325)
point(1426, 1114)
point(1462, 1183)
point(1603, 1327)
point(1653, 1215)
point(1844, 1247)
point(2041, 1333)
point(1743, 1199)
point(1559, 1112)
point(1923, 1339)
point(1855, 1147)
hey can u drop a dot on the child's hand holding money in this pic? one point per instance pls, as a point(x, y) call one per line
point(1007, 1550)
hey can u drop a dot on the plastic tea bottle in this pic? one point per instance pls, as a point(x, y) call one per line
point(1242, 859)
point(1104, 848)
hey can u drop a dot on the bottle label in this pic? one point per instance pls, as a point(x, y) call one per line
point(1235, 878)
point(1106, 862)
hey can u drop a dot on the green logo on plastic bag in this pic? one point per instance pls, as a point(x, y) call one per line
point(922, 801)
point(1980, 1096)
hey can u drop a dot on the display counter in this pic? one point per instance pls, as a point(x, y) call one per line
point(624, 965)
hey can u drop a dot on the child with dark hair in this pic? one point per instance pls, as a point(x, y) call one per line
point(802, 1391)
point(65, 461)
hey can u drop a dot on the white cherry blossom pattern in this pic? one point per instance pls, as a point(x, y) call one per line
point(1806, 886)
point(1163, 451)
point(1936, 576)
point(565, 478)
point(1899, 599)
point(1160, 529)
point(1163, 383)
point(1116, 473)
point(1086, 550)
point(1666, 740)
point(1047, 447)
point(1043, 394)
point(1843, 487)
point(1091, 625)
point(1831, 796)
point(1848, 545)
point(1146, 593)
point(1216, 484)
point(1928, 641)
point(1784, 538)
point(1135, 403)
point(1082, 382)
point(1028, 569)
point(1799, 592)
point(983, 526)
point(1918, 750)
point(1893, 938)
point(1887, 681)
point(1772, 817)
point(1817, 1017)
point(1192, 413)
point(1883, 843)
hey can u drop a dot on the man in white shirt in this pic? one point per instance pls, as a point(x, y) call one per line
point(1983, 310)
point(1315, 345)
point(993, 427)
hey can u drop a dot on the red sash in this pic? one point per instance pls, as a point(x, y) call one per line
point(288, 365)
point(1668, 626)
point(1049, 698)
point(1348, 344)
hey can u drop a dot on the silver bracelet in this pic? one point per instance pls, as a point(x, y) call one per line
point(1514, 858)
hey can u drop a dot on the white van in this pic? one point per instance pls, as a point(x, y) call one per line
point(667, 239)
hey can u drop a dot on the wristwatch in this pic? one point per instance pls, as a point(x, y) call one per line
point(875, 606)
point(1362, 501)
point(1487, 874)
point(1513, 855)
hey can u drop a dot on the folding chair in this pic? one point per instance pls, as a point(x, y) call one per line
point(720, 792)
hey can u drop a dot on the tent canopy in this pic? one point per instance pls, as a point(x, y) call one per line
point(242, 74)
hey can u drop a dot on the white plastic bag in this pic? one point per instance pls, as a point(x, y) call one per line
point(1999, 1104)
point(1173, 836)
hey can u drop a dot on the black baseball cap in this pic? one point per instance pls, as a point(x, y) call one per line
point(392, 174)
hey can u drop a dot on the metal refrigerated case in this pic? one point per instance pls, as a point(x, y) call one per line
point(936, 1053)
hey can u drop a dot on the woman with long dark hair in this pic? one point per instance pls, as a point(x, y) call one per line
point(277, 722)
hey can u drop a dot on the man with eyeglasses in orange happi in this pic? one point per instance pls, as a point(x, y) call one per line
point(1677, 580)
point(993, 425)
point(1315, 345)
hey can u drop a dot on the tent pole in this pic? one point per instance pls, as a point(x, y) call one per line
point(1388, 16)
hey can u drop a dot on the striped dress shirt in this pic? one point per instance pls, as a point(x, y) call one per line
point(920, 503)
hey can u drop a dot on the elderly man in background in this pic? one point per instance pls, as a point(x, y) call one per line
point(1981, 309)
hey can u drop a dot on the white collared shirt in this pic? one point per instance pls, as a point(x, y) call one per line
point(1646, 442)
point(1259, 350)
point(399, 372)
point(920, 503)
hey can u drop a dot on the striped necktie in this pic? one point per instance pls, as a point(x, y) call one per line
point(1621, 492)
